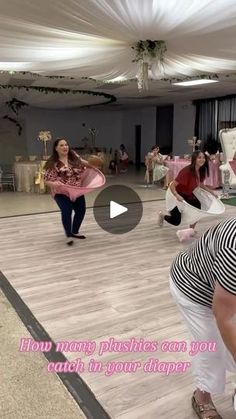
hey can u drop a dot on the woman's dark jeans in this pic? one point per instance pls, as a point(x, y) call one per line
point(67, 206)
point(175, 215)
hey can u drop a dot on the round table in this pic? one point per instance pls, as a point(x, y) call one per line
point(213, 180)
point(25, 173)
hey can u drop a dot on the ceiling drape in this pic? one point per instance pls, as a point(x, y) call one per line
point(93, 38)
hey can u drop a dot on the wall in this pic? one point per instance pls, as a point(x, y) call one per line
point(183, 128)
point(146, 117)
point(115, 127)
point(164, 124)
point(68, 124)
point(10, 141)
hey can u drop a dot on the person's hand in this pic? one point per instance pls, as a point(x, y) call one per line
point(214, 194)
point(179, 198)
point(52, 183)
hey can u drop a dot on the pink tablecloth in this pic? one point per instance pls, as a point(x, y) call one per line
point(213, 180)
point(175, 166)
point(233, 165)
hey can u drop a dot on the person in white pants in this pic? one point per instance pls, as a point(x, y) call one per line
point(203, 284)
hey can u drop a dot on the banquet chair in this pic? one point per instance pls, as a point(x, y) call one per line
point(8, 180)
point(228, 144)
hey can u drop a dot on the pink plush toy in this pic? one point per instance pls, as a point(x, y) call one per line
point(185, 235)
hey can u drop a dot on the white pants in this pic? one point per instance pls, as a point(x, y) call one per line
point(209, 368)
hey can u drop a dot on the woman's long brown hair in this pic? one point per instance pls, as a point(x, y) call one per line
point(73, 159)
point(204, 169)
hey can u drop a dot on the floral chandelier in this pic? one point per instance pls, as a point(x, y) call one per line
point(147, 54)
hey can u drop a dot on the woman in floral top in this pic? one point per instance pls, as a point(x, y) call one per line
point(65, 167)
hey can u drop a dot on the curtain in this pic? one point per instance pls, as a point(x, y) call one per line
point(206, 120)
point(227, 113)
point(211, 116)
point(93, 38)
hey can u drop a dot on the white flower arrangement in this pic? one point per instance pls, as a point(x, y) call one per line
point(93, 132)
point(45, 136)
point(193, 142)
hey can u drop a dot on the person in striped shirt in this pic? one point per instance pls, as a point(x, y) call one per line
point(203, 284)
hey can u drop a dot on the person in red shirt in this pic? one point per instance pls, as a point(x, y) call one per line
point(189, 178)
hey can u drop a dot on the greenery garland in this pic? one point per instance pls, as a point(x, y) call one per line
point(14, 122)
point(47, 90)
point(139, 47)
point(26, 73)
point(15, 104)
point(211, 76)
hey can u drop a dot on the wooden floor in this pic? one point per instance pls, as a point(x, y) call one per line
point(102, 287)
point(20, 203)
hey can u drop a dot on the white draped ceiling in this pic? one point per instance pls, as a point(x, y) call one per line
point(93, 38)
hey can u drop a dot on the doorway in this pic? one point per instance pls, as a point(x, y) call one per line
point(138, 136)
point(164, 128)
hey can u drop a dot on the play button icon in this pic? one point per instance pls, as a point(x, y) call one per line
point(118, 209)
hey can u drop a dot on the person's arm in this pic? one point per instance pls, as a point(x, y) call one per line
point(224, 309)
point(158, 159)
point(85, 163)
point(174, 192)
point(51, 177)
point(82, 161)
point(161, 160)
point(206, 188)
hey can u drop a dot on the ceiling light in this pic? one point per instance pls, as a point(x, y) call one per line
point(195, 82)
point(12, 66)
point(116, 79)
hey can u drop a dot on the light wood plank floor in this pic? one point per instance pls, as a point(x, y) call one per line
point(20, 203)
point(102, 287)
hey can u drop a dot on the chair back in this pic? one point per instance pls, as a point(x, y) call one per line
point(228, 144)
point(8, 180)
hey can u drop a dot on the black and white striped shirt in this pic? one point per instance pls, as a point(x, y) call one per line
point(211, 258)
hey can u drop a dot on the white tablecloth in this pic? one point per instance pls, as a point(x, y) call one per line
point(25, 173)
